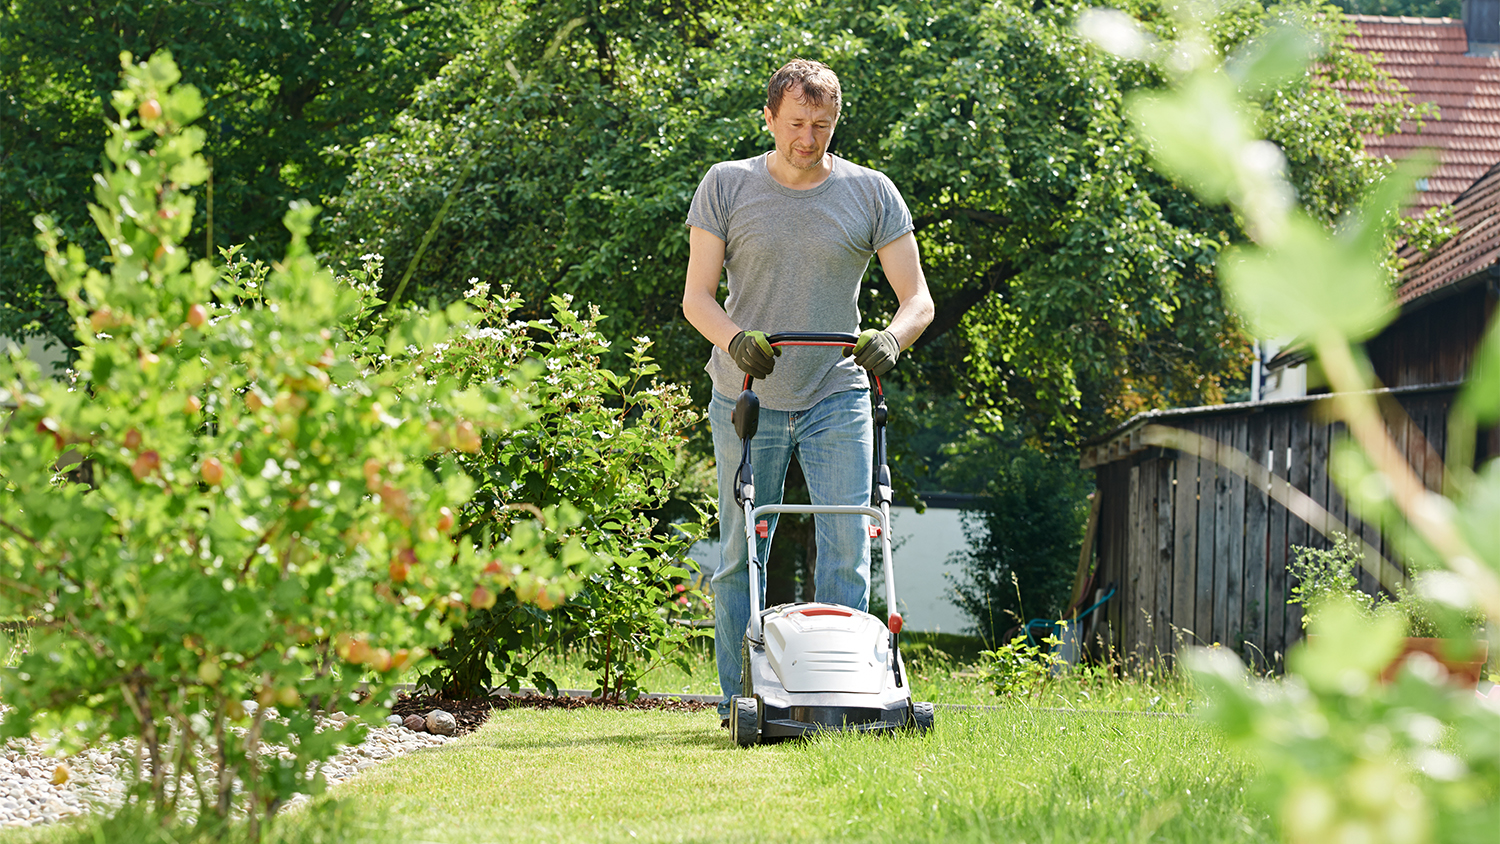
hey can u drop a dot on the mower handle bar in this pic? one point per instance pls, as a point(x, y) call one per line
point(820, 510)
point(802, 338)
point(815, 338)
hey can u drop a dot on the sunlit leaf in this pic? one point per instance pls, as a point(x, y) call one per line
point(1310, 284)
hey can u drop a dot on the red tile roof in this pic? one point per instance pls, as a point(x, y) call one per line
point(1426, 55)
point(1476, 213)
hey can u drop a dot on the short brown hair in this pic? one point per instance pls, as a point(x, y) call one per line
point(819, 84)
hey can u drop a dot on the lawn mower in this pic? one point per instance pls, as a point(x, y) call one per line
point(811, 666)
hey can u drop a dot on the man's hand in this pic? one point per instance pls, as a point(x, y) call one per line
point(754, 353)
point(875, 350)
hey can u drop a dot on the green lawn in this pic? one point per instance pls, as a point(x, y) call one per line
point(1012, 775)
point(1008, 771)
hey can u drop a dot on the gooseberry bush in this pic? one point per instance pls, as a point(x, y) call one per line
point(247, 502)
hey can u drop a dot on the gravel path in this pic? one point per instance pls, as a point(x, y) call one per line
point(36, 788)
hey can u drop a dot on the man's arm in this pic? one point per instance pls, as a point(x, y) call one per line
point(903, 268)
point(700, 302)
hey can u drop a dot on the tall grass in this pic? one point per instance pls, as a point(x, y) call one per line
point(942, 668)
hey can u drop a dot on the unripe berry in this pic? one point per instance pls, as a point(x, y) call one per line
point(481, 598)
point(145, 464)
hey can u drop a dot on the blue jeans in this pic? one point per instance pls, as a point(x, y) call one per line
point(834, 443)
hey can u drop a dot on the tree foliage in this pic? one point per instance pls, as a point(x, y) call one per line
point(290, 88)
point(1074, 284)
point(1408, 8)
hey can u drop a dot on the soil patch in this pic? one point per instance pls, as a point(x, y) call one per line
point(473, 712)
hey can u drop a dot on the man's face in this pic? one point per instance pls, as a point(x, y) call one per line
point(802, 130)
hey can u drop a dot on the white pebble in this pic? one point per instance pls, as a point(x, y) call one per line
point(28, 797)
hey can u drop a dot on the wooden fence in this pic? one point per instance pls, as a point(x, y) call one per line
point(1199, 553)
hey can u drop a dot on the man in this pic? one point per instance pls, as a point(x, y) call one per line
point(794, 230)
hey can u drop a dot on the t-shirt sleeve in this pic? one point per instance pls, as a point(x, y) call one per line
point(709, 211)
point(893, 219)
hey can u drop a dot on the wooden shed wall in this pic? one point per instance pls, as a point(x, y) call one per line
point(1199, 555)
point(1435, 344)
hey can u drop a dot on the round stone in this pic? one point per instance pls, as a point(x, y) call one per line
point(441, 723)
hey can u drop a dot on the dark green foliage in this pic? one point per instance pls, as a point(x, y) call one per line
point(1030, 530)
point(496, 644)
point(1074, 285)
point(1410, 8)
point(290, 89)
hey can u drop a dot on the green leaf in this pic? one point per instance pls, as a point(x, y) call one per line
point(1274, 59)
point(1196, 132)
point(1309, 285)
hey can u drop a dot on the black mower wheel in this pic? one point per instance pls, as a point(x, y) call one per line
point(745, 689)
point(921, 716)
point(744, 721)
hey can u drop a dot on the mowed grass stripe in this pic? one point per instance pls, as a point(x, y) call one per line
point(1013, 776)
point(592, 775)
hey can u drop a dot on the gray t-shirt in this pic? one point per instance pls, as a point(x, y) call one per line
point(794, 261)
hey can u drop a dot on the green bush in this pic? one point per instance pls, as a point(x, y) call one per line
point(1025, 540)
point(608, 446)
point(1325, 577)
point(255, 507)
point(1327, 574)
point(1019, 668)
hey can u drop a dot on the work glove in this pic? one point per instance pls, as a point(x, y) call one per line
point(875, 350)
point(754, 353)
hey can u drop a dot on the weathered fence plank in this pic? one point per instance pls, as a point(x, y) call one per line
point(1234, 521)
point(1140, 570)
point(1185, 538)
point(1257, 534)
point(1299, 475)
point(1208, 479)
point(1275, 636)
point(1223, 527)
point(1164, 549)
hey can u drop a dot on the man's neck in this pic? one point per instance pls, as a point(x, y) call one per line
point(795, 178)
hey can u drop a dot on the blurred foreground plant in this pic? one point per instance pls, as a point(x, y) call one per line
point(1347, 758)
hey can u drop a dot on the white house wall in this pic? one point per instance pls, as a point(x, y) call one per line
point(924, 544)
